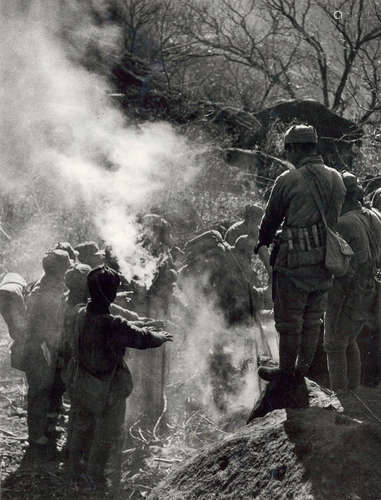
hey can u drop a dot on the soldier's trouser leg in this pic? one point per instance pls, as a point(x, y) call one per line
point(55, 405)
point(316, 303)
point(289, 304)
point(353, 365)
point(81, 437)
point(297, 316)
point(38, 408)
point(340, 344)
point(107, 433)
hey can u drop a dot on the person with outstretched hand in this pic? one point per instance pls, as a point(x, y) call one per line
point(101, 379)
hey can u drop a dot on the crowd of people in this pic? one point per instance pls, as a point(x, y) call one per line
point(70, 336)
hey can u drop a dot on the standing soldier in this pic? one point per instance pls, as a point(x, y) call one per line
point(76, 283)
point(300, 279)
point(44, 318)
point(103, 380)
point(352, 299)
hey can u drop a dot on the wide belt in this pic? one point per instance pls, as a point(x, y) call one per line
point(304, 238)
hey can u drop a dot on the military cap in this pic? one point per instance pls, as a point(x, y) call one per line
point(56, 261)
point(350, 181)
point(88, 249)
point(301, 134)
point(76, 276)
point(354, 190)
point(103, 283)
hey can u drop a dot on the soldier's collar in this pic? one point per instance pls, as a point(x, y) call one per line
point(317, 159)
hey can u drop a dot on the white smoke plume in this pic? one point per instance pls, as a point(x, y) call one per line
point(63, 144)
point(62, 137)
point(217, 362)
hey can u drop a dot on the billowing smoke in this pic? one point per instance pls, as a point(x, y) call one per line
point(217, 362)
point(64, 142)
point(65, 149)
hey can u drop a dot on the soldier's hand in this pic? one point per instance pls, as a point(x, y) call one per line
point(155, 323)
point(159, 337)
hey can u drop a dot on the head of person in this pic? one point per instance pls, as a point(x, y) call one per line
point(90, 254)
point(55, 263)
point(253, 215)
point(103, 283)
point(300, 141)
point(354, 192)
point(76, 282)
point(156, 233)
point(376, 199)
point(66, 246)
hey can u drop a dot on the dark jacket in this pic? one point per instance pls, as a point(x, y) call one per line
point(45, 312)
point(361, 228)
point(103, 339)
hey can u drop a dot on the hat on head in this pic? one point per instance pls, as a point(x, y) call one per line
point(76, 276)
point(56, 262)
point(88, 249)
point(352, 186)
point(350, 181)
point(301, 134)
point(103, 283)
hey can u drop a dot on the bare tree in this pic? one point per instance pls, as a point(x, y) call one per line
point(353, 36)
point(238, 32)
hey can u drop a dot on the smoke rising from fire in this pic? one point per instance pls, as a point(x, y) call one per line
point(64, 144)
point(62, 139)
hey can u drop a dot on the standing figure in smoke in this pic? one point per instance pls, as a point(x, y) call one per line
point(103, 381)
point(352, 299)
point(76, 283)
point(249, 226)
point(44, 319)
point(300, 279)
point(151, 368)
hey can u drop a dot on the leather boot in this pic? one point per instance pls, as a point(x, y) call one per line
point(288, 352)
point(284, 391)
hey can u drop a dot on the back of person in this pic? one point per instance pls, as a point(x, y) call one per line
point(361, 228)
point(296, 187)
point(102, 382)
point(98, 345)
point(294, 223)
point(45, 389)
point(352, 299)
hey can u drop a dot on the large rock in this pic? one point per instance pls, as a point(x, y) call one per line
point(337, 135)
point(314, 453)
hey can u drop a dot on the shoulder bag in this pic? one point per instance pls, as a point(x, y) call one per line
point(338, 252)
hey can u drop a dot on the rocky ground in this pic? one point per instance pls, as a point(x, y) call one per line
point(316, 453)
